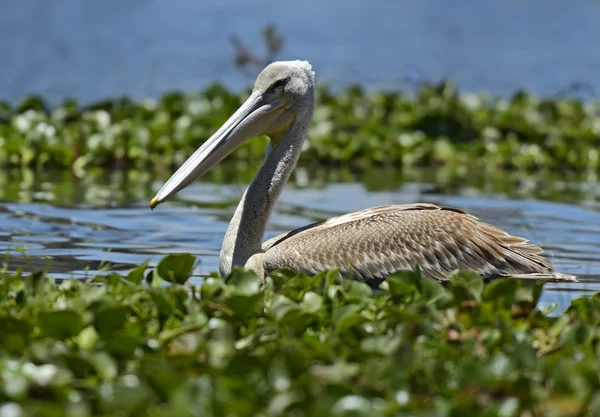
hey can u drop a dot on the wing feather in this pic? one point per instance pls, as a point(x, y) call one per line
point(381, 240)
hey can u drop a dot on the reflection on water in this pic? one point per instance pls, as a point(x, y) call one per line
point(82, 225)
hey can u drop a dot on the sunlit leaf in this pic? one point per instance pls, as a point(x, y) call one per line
point(211, 287)
point(312, 302)
point(176, 268)
point(356, 289)
point(136, 275)
point(246, 282)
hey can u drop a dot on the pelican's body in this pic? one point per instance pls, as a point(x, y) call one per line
point(367, 244)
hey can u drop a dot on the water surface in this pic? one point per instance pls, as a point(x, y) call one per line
point(77, 227)
point(91, 50)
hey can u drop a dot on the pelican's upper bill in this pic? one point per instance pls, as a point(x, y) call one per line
point(268, 111)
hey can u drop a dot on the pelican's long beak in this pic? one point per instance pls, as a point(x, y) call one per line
point(256, 117)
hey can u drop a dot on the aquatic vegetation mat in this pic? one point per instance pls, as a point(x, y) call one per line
point(295, 345)
point(437, 125)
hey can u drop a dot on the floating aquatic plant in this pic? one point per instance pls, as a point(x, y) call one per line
point(293, 345)
point(435, 126)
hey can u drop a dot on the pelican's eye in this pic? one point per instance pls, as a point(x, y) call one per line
point(279, 84)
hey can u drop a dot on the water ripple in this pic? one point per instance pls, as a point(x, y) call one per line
point(81, 239)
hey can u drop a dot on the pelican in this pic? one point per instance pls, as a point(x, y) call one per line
point(367, 245)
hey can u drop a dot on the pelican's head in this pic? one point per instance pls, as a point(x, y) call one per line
point(282, 93)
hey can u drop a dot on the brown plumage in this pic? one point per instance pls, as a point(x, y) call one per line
point(375, 242)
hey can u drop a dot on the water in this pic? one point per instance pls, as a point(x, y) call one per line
point(102, 222)
point(93, 50)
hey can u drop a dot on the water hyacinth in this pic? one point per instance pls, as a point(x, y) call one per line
point(436, 125)
point(292, 345)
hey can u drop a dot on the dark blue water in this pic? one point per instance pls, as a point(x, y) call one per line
point(91, 49)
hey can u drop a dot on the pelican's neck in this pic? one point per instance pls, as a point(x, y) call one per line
point(246, 230)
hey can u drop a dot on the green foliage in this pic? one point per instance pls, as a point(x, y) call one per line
point(176, 268)
point(437, 125)
point(291, 345)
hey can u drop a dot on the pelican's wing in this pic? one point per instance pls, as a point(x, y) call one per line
point(378, 241)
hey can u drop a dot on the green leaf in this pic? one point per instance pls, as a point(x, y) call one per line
point(431, 288)
point(282, 276)
point(104, 365)
point(312, 302)
point(355, 289)
point(354, 406)
point(466, 285)
point(283, 402)
point(79, 364)
point(244, 291)
point(383, 345)
point(161, 375)
point(346, 317)
point(14, 335)
point(578, 335)
point(504, 289)
point(281, 306)
point(154, 279)
point(136, 275)
point(338, 372)
point(402, 283)
point(61, 324)
point(87, 338)
point(163, 301)
point(36, 282)
point(110, 318)
point(176, 268)
point(246, 282)
point(290, 314)
point(297, 320)
point(242, 304)
point(211, 287)
point(14, 325)
point(122, 344)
